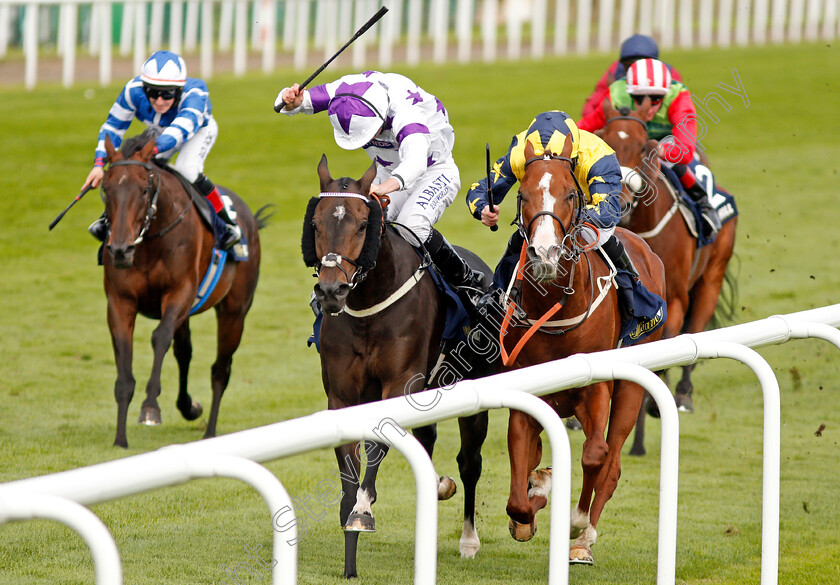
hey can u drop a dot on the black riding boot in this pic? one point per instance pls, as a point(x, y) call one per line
point(615, 250)
point(712, 224)
point(514, 245)
point(99, 228)
point(454, 269)
point(209, 191)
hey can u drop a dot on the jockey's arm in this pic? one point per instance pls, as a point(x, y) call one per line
point(683, 118)
point(502, 178)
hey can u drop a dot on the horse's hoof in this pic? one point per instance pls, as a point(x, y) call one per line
point(573, 424)
point(149, 416)
point(446, 487)
point(194, 411)
point(360, 523)
point(580, 555)
point(469, 549)
point(522, 532)
point(684, 402)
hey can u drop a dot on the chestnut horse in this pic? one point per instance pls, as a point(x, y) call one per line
point(157, 252)
point(380, 337)
point(694, 277)
point(557, 269)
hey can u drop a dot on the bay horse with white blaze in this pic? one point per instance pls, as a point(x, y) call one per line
point(156, 253)
point(568, 304)
point(694, 276)
point(383, 319)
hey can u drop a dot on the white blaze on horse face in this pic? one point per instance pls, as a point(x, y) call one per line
point(122, 180)
point(544, 238)
point(623, 135)
point(339, 212)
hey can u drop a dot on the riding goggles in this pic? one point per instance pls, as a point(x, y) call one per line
point(153, 92)
point(654, 99)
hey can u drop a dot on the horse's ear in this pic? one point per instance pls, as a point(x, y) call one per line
point(529, 150)
point(609, 110)
point(567, 146)
point(147, 151)
point(368, 178)
point(112, 153)
point(324, 173)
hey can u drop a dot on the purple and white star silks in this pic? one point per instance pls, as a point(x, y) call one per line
point(357, 112)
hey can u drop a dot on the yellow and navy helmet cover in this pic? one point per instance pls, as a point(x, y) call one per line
point(547, 132)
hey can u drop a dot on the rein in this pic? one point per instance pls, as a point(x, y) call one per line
point(571, 251)
point(152, 209)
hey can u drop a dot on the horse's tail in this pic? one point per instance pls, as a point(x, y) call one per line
point(727, 306)
point(263, 214)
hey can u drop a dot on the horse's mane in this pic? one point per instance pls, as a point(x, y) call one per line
point(624, 111)
point(135, 143)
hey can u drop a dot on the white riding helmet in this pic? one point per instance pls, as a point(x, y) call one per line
point(164, 68)
point(357, 112)
point(648, 77)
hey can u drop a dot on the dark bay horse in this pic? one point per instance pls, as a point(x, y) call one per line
point(157, 252)
point(570, 306)
point(378, 340)
point(694, 277)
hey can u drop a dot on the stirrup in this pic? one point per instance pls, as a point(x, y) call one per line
point(99, 228)
point(233, 235)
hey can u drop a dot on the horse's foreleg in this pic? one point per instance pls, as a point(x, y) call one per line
point(172, 315)
point(229, 333)
point(524, 451)
point(361, 516)
point(473, 433)
point(121, 324)
point(182, 348)
point(348, 469)
point(594, 413)
point(427, 436)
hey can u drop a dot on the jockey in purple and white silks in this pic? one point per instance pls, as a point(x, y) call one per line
point(163, 96)
point(406, 132)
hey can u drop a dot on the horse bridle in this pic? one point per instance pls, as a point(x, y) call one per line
point(154, 190)
point(635, 202)
point(570, 252)
point(334, 259)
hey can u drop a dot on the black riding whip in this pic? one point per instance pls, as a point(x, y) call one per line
point(495, 227)
point(72, 203)
point(379, 14)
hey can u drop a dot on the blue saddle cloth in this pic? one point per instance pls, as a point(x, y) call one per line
point(239, 252)
point(722, 200)
point(649, 309)
point(457, 320)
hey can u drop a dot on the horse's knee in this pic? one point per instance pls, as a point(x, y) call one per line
point(124, 389)
point(594, 454)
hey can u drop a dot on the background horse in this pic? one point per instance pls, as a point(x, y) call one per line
point(157, 252)
point(370, 354)
point(694, 277)
point(557, 270)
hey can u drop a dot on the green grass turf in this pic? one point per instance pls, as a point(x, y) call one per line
point(779, 156)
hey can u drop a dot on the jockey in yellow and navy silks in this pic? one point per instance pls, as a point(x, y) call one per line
point(595, 166)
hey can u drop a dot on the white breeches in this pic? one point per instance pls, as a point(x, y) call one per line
point(194, 152)
point(419, 208)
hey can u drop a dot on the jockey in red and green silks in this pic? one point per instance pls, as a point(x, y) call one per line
point(671, 119)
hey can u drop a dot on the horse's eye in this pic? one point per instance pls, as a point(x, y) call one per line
point(363, 226)
point(314, 227)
